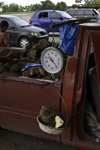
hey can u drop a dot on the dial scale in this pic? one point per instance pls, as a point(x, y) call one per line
point(52, 60)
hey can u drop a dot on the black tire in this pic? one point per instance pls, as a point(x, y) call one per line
point(23, 41)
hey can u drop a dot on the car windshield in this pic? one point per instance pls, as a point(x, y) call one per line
point(65, 15)
point(20, 22)
point(34, 13)
point(95, 11)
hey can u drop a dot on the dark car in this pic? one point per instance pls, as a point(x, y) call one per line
point(22, 32)
point(86, 13)
point(44, 18)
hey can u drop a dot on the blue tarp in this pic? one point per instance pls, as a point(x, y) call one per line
point(68, 36)
point(31, 65)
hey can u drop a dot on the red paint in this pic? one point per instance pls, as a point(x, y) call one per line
point(78, 1)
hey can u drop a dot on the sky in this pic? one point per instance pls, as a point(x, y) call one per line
point(29, 2)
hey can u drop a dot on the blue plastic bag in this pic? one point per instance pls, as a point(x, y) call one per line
point(68, 36)
point(31, 65)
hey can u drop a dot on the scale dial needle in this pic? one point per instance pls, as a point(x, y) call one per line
point(52, 61)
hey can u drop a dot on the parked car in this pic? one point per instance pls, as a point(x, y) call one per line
point(76, 95)
point(22, 32)
point(83, 13)
point(44, 18)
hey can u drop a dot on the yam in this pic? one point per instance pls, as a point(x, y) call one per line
point(4, 52)
point(5, 68)
point(24, 53)
point(36, 71)
point(47, 116)
point(48, 77)
point(15, 68)
point(34, 60)
point(32, 54)
point(21, 65)
point(16, 53)
point(29, 72)
point(25, 59)
point(25, 73)
point(1, 64)
point(42, 72)
point(27, 46)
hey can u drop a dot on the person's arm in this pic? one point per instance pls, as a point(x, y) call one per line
point(6, 40)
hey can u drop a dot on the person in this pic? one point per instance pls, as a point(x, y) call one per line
point(4, 41)
point(98, 18)
point(4, 38)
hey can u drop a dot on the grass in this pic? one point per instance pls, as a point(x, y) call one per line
point(28, 12)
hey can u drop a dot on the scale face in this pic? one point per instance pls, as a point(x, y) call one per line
point(52, 60)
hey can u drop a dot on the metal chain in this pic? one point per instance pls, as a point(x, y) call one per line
point(53, 40)
point(52, 84)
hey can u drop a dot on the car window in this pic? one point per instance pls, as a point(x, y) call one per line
point(43, 15)
point(20, 22)
point(34, 13)
point(79, 12)
point(10, 23)
point(95, 11)
point(65, 15)
point(71, 12)
point(88, 12)
point(54, 15)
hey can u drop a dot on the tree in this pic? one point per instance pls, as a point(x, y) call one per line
point(13, 7)
point(75, 6)
point(47, 4)
point(37, 7)
point(5, 8)
point(21, 8)
point(91, 3)
point(61, 6)
point(27, 8)
point(95, 3)
point(1, 4)
point(87, 3)
point(32, 8)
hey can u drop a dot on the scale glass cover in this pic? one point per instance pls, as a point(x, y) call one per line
point(52, 60)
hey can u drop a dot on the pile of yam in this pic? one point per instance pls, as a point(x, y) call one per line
point(31, 54)
point(51, 117)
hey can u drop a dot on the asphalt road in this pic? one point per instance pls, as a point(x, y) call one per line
point(10, 140)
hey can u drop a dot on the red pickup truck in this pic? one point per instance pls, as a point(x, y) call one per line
point(21, 98)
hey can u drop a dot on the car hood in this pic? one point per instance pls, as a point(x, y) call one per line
point(33, 29)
